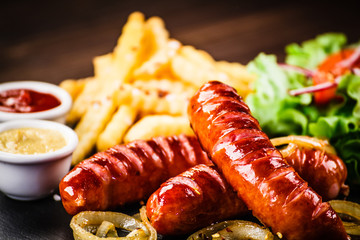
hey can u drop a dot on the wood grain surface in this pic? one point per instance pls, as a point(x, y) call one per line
point(55, 40)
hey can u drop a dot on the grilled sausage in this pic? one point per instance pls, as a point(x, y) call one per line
point(325, 172)
point(191, 200)
point(128, 173)
point(200, 196)
point(270, 188)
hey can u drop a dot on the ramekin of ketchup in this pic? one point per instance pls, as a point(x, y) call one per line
point(33, 100)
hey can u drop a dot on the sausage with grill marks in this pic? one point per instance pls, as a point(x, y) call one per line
point(192, 200)
point(325, 172)
point(200, 196)
point(270, 188)
point(128, 173)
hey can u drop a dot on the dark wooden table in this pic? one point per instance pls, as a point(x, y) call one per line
point(55, 40)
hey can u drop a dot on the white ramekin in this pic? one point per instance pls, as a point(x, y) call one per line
point(55, 114)
point(29, 177)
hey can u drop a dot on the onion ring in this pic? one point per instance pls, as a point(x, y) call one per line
point(106, 229)
point(87, 224)
point(349, 212)
point(144, 218)
point(304, 141)
point(234, 229)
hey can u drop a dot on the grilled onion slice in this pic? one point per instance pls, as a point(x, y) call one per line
point(96, 225)
point(234, 229)
point(304, 141)
point(349, 212)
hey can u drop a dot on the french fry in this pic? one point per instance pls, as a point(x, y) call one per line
point(197, 67)
point(81, 103)
point(152, 102)
point(74, 87)
point(185, 70)
point(103, 67)
point(155, 38)
point(235, 70)
point(148, 76)
point(156, 31)
point(240, 78)
point(158, 62)
point(90, 127)
point(116, 128)
point(165, 85)
point(126, 54)
point(197, 56)
point(158, 125)
point(101, 91)
point(93, 91)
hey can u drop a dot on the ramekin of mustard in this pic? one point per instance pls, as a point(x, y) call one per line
point(34, 156)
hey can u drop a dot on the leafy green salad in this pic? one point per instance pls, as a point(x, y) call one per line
point(284, 100)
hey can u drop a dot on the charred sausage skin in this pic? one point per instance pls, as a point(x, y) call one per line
point(128, 173)
point(200, 196)
point(271, 189)
point(191, 200)
point(325, 172)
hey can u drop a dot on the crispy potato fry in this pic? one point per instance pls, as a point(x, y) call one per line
point(158, 125)
point(155, 38)
point(152, 102)
point(91, 125)
point(197, 56)
point(158, 62)
point(240, 78)
point(148, 76)
point(74, 87)
point(189, 68)
point(165, 85)
point(116, 128)
point(157, 33)
point(101, 91)
point(197, 67)
point(103, 66)
point(94, 90)
point(190, 73)
point(235, 70)
point(126, 54)
point(81, 103)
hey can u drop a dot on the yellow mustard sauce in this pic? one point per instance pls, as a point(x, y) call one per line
point(31, 140)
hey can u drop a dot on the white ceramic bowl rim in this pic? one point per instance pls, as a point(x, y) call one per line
point(69, 135)
point(44, 87)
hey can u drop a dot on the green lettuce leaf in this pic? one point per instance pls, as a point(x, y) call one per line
point(310, 53)
point(280, 114)
point(348, 149)
point(340, 120)
point(271, 97)
point(351, 85)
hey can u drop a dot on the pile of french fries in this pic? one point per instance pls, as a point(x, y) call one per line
point(141, 89)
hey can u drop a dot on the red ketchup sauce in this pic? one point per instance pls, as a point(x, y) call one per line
point(26, 101)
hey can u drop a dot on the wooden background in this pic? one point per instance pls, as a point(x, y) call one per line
point(55, 40)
